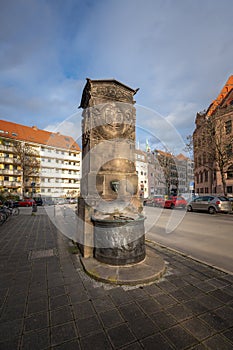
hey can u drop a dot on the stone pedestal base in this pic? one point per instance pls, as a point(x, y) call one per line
point(119, 241)
point(147, 271)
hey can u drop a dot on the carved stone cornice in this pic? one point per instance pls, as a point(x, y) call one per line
point(101, 91)
point(223, 110)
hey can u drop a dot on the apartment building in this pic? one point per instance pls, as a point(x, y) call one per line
point(213, 145)
point(167, 163)
point(185, 167)
point(160, 172)
point(57, 162)
point(142, 172)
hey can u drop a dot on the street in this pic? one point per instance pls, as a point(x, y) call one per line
point(208, 238)
point(205, 237)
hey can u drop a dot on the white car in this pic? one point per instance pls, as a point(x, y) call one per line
point(210, 203)
point(73, 201)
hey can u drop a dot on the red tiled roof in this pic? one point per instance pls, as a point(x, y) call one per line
point(34, 135)
point(165, 154)
point(224, 92)
point(181, 157)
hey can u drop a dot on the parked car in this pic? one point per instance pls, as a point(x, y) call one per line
point(158, 201)
point(155, 201)
point(38, 201)
point(189, 196)
point(210, 203)
point(61, 201)
point(73, 200)
point(231, 200)
point(175, 202)
point(11, 204)
point(26, 203)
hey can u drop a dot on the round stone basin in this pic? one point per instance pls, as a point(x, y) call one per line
point(119, 241)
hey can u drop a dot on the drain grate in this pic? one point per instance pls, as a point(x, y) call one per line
point(37, 254)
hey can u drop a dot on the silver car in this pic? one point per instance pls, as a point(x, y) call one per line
point(212, 204)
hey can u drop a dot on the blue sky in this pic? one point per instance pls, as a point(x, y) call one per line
point(178, 52)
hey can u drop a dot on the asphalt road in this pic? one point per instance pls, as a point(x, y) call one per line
point(208, 238)
point(205, 237)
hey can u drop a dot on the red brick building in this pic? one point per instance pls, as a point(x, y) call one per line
point(213, 145)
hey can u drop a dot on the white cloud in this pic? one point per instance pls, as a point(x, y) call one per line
point(182, 116)
point(178, 53)
point(70, 126)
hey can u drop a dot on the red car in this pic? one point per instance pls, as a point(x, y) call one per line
point(175, 202)
point(156, 201)
point(26, 203)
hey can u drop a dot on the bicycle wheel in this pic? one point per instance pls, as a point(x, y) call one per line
point(15, 211)
point(2, 218)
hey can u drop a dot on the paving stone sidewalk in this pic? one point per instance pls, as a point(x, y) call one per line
point(48, 302)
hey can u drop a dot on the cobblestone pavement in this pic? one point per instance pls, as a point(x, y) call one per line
point(48, 302)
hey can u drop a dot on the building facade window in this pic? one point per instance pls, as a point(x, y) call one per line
point(201, 177)
point(230, 173)
point(229, 150)
point(228, 127)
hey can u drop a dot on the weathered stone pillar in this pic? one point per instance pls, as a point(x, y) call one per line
point(109, 185)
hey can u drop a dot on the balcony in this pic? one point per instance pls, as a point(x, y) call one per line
point(59, 184)
point(76, 158)
point(53, 154)
point(8, 149)
point(10, 183)
point(10, 172)
point(7, 160)
point(68, 185)
point(65, 165)
point(37, 185)
point(59, 155)
point(55, 175)
point(70, 176)
point(70, 166)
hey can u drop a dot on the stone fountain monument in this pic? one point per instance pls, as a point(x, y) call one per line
point(111, 224)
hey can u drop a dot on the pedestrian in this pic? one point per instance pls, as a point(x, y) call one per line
point(34, 208)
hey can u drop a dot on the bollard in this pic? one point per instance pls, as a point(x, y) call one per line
point(34, 209)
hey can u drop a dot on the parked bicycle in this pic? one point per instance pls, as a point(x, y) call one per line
point(3, 216)
point(7, 210)
point(13, 211)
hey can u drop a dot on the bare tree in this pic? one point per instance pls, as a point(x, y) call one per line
point(28, 159)
point(170, 174)
point(189, 145)
point(223, 143)
point(216, 144)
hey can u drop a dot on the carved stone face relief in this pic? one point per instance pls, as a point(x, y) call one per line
point(114, 124)
point(112, 120)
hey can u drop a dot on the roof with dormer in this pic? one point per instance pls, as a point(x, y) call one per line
point(34, 135)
